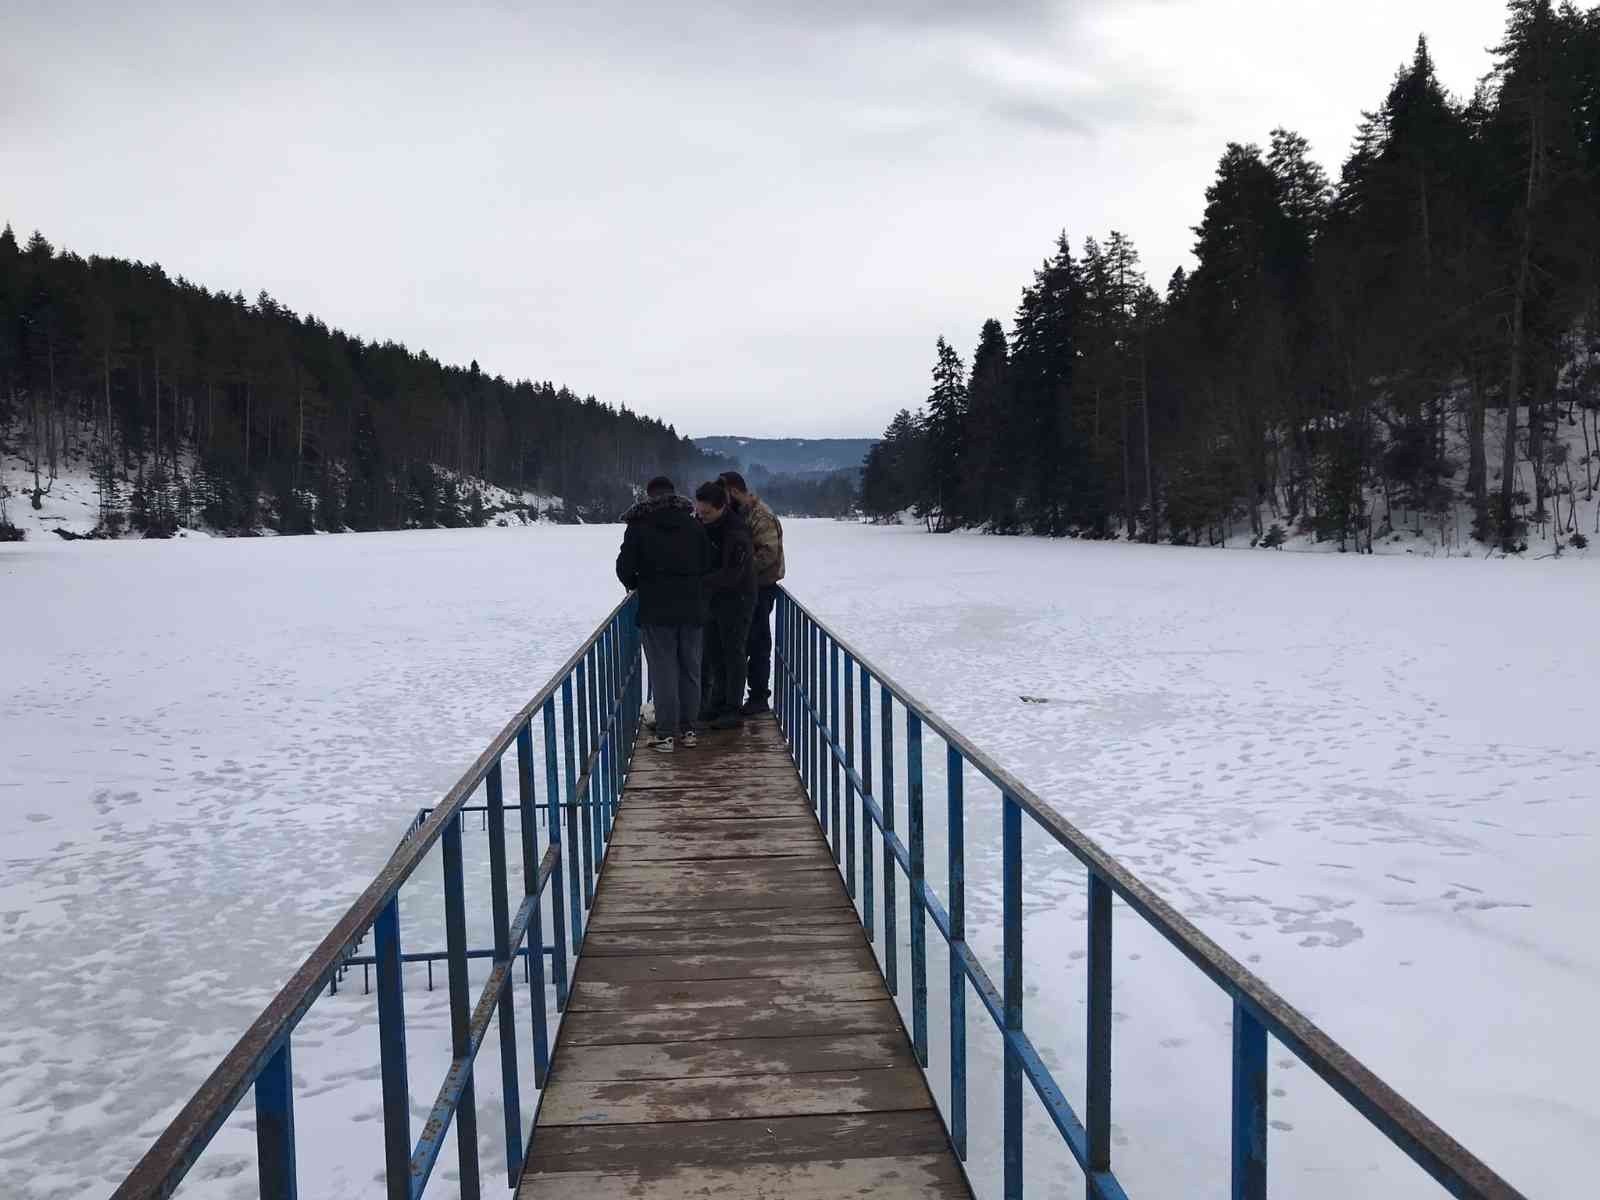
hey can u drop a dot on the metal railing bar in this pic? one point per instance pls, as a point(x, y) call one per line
point(577, 726)
point(891, 844)
point(424, 956)
point(163, 1166)
point(578, 881)
point(1424, 1142)
point(956, 873)
point(1059, 1109)
point(1097, 1090)
point(455, 929)
point(869, 871)
point(511, 1108)
point(459, 1077)
point(392, 1053)
point(552, 792)
point(275, 1153)
point(528, 804)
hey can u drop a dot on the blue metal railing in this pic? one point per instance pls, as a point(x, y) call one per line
point(810, 687)
point(599, 690)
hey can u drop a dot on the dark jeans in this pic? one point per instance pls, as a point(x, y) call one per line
point(727, 634)
point(759, 646)
point(673, 652)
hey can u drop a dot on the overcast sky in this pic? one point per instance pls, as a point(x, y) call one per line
point(743, 217)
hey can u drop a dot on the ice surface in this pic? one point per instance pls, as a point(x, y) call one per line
point(1371, 780)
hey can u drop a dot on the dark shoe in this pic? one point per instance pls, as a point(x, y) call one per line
point(755, 706)
point(728, 720)
point(689, 740)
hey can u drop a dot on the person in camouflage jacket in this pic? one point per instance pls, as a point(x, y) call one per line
point(766, 531)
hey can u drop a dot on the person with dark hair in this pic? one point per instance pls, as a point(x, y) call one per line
point(731, 588)
point(665, 556)
point(766, 536)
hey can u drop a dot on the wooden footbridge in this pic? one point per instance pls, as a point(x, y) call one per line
point(729, 1033)
point(722, 935)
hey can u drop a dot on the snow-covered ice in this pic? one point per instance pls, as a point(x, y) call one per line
point(1369, 779)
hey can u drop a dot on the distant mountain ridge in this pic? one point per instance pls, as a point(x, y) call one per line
point(804, 457)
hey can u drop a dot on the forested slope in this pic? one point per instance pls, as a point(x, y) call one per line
point(194, 407)
point(1421, 336)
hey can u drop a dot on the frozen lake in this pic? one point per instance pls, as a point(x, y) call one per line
point(1372, 780)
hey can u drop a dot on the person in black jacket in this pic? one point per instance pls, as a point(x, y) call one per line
point(665, 557)
point(731, 586)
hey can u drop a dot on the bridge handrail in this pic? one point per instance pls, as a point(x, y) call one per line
point(806, 655)
point(608, 659)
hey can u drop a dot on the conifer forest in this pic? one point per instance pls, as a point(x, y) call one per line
point(1420, 335)
point(198, 407)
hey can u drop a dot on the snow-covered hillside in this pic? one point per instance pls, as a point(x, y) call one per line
point(1373, 781)
point(70, 503)
point(1570, 464)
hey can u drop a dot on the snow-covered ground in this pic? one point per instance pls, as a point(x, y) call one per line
point(1372, 780)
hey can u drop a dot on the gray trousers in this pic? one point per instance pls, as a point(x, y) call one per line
point(673, 652)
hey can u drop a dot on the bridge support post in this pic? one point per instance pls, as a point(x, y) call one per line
point(529, 805)
point(1249, 1105)
point(919, 901)
point(392, 1054)
point(891, 912)
point(552, 792)
point(501, 906)
point(275, 1127)
point(957, 863)
point(1011, 993)
point(455, 931)
point(869, 874)
point(1097, 1097)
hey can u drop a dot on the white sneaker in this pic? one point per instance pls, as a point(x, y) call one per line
point(662, 745)
point(690, 740)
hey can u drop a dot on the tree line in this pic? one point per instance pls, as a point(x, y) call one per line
point(193, 405)
point(1337, 343)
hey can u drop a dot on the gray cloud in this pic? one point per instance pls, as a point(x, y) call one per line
point(741, 216)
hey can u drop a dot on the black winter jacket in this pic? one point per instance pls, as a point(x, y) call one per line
point(732, 581)
point(665, 556)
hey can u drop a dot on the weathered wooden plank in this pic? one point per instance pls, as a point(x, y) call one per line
point(672, 805)
point(737, 832)
point(719, 963)
point(689, 850)
point(778, 869)
point(750, 1056)
point(798, 941)
point(833, 1137)
point(792, 989)
point(814, 889)
point(920, 1177)
point(573, 1102)
point(733, 760)
point(751, 921)
point(594, 1027)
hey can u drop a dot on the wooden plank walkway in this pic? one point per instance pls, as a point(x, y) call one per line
point(728, 1033)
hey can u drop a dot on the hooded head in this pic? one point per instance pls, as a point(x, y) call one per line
point(660, 497)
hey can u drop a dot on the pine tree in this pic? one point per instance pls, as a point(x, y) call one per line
point(988, 489)
point(939, 501)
